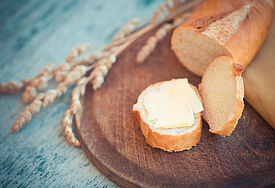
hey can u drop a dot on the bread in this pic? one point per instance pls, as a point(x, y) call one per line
point(173, 139)
point(233, 28)
point(217, 42)
point(260, 74)
point(222, 95)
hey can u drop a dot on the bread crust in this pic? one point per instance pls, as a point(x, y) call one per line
point(170, 143)
point(248, 37)
point(230, 125)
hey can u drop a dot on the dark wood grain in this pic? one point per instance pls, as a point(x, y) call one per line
point(115, 144)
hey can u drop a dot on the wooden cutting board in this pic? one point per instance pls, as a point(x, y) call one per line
point(116, 146)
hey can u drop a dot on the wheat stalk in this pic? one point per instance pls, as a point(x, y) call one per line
point(152, 41)
point(51, 95)
point(26, 115)
point(75, 107)
point(167, 6)
point(90, 69)
point(97, 79)
point(127, 29)
point(78, 50)
point(12, 87)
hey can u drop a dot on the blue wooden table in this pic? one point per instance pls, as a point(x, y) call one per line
point(33, 34)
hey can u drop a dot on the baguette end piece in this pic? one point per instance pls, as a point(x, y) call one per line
point(222, 93)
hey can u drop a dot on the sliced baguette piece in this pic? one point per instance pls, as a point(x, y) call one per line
point(222, 93)
point(234, 28)
point(172, 139)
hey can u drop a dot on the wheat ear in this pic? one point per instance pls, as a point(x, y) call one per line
point(165, 7)
point(127, 29)
point(78, 50)
point(47, 98)
point(26, 115)
point(76, 70)
point(63, 69)
point(75, 107)
point(12, 87)
point(39, 82)
point(152, 41)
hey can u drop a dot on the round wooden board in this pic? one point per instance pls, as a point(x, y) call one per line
point(115, 145)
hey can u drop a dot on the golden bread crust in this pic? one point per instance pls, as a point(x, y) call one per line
point(245, 40)
point(170, 142)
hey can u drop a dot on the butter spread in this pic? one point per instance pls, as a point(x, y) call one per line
point(172, 105)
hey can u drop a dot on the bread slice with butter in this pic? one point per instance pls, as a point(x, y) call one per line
point(169, 115)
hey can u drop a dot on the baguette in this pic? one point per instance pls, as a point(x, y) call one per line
point(222, 95)
point(234, 28)
point(217, 42)
point(172, 139)
point(260, 74)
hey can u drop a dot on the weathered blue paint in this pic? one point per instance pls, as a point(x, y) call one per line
point(33, 34)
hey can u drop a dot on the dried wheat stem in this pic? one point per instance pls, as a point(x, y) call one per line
point(75, 107)
point(51, 95)
point(29, 94)
point(74, 75)
point(63, 69)
point(101, 68)
point(106, 63)
point(78, 50)
point(92, 58)
point(151, 43)
point(34, 107)
point(181, 6)
point(179, 20)
point(78, 92)
point(67, 128)
point(76, 71)
point(42, 77)
point(101, 71)
point(127, 29)
point(166, 6)
point(46, 71)
point(123, 43)
point(26, 115)
point(12, 87)
point(39, 82)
